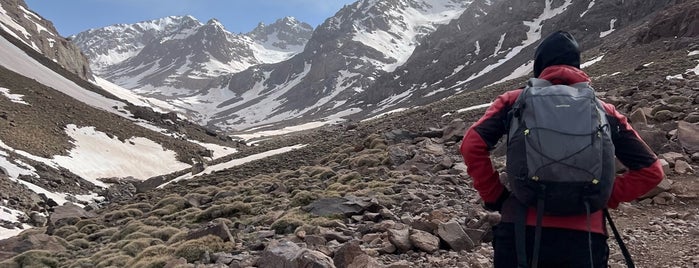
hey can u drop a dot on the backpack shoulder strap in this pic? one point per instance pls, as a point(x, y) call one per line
point(536, 82)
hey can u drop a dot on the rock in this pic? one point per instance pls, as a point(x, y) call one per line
point(639, 117)
point(695, 156)
point(692, 117)
point(682, 167)
point(400, 238)
point(665, 165)
point(672, 157)
point(452, 233)
point(424, 241)
point(398, 155)
point(664, 198)
point(330, 235)
point(181, 262)
point(663, 115)
point(289, 255)
point(334, 206)
point(688, 136)
point(222, 257)
point(400, 264)
point(664, 186)
point(655, 138)
point(351, 255)
point(476, 235)
point(37, 219)
point(220, 230)
point(69, 211)
point(19, 244)
point(454, 131)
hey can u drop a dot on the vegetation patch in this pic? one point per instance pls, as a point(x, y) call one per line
point(135, 247)
point(32, 258)
point(192, 250)
point(223, 211)
point(122, 214)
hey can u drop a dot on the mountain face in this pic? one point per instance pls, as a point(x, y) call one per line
point(39, 34)
point(493, 43)
point(179, 56)
point(369, 58)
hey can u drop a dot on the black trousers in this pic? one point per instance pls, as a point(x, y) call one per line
point(560, 248)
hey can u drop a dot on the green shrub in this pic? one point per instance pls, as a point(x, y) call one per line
point(80, 243)
point(302, 198)
point(90, 228)
point(223, 211)
point(104, 233)
point(152, 256)
point(143, 207)
point(136, 235)
point(76, 236)
point(117, 260)
point(135, 247)
point(287, 223)
point(84, 222)
point(172, 200)
point(192, 250)
point(65, 231)
point(165, 233)
point(115, 216)
point(32, 259)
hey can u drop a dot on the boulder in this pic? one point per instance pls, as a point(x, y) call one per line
point(682, 167)
point(400, 238)
point(220, 230)
point(454, 235)
point(424, 241)
point(286, 254)
point(454, 131)
point(67, 212)
point(351, 255)
point(334, 206)
point(688, 135)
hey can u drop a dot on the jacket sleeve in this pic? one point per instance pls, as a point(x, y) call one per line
point(644, 169)
point(479, 139)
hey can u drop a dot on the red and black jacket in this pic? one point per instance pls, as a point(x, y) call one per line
point(644, 169)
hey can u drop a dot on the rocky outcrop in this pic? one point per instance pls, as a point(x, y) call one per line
point(42, 36)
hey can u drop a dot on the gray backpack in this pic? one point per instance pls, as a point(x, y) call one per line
point(560, 155)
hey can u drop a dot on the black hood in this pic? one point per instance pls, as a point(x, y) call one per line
point(559, 48)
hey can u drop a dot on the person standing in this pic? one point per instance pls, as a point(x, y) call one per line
point(565, 241)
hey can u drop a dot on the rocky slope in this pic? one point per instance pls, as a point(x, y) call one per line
point(40, 34)
point(392, 192)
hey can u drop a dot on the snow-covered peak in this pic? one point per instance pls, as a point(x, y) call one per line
point(394, 27)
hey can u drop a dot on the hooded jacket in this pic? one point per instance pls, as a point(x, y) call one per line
point(557, 60)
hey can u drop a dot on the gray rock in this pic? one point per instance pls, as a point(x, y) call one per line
point(286, 254)
point(453, 234)
point(222, 257)
point(424, 241)
point(695, 156)
point(671, 157)
point(688, 135)
point(400, 238)
point(333, 207)
point(639, 117)
point(220, 230)
point(664, 186)
point(350, 255)
point(454, 131)
point(682, 167)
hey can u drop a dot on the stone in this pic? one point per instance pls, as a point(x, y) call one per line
point(222, 257)
point(220, 230)
point(671, 157)
point(665, 165)
point(655, 138)
point(67, 212)
point(695, 156)
point(181, 262)
point(638, 117)
point(664, 186)
point(454, 131)
point(37, 219)
point(333, 207)
point(398, 155)
point(400, 264)
point(663, 115)
point(454, 235)
point(476, 235)
point(688, 136)
point(682, 167)
point(289, 255)
point(692, 117)
point(400, 238)
point(330, 235)
point(351, 255)
point(424, 241)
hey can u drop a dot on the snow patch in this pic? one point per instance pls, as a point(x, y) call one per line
point(16, 98)
point(475, 107)
point(96, 155)
point(611, 29)
point(236, 162)
point(692, 53)
point(591, 62)
point(589, 6)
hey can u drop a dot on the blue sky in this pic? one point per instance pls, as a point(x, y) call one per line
point(74, 16)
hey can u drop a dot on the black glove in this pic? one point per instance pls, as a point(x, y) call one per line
point(497, 205)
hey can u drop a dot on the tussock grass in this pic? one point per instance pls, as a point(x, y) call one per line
point(32, 259)
point(135, 247)
point(115, 216)
point(223, 211)
point(192, 250)
point(65, 231)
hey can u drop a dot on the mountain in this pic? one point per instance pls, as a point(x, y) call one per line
point(390, 191)
point(40, 34)
point(178, 57)
point(66, 139)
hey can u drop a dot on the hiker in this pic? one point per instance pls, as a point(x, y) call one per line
point(578, 240)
